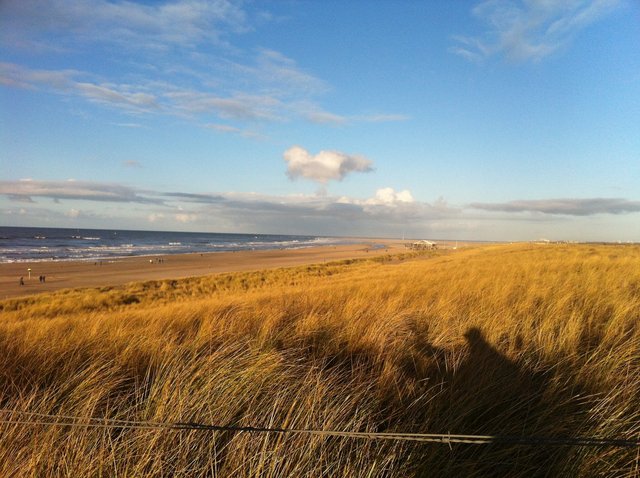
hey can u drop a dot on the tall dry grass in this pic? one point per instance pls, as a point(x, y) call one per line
point(509, 340)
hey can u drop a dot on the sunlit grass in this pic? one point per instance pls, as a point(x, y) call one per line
point(509, 340)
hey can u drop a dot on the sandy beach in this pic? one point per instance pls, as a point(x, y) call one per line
point(73, 274)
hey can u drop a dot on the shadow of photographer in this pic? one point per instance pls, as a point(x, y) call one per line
point(483, 392)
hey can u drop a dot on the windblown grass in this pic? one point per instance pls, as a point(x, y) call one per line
point(508, 340)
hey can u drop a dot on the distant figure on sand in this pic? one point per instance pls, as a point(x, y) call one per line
point(21, 280)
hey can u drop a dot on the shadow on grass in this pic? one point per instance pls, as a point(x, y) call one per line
point(486, 393)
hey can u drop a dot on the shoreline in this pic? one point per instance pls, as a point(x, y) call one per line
point(113, 272)
point(113, 259)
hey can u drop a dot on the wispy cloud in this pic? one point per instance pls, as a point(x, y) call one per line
point(68, 82)
point(134, 25)
point(324, 166)
point(110, 95)
point(168, 98)
point(571, 207)
point(529, 29)
point(271, 69)
point(380, 118)
point(18, 197)
point(225, 128)
point(21, 77)
point(195, 197)
point(26, 190)
point(129, 125)
point(316, 114)
point(132, 164)
point(239, 106)
point(181, 59)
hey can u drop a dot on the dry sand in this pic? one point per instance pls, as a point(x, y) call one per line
point(72, 274)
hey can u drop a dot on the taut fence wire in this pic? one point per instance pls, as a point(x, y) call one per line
point(24, 418)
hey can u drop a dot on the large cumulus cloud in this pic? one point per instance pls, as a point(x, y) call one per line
point(324, 166)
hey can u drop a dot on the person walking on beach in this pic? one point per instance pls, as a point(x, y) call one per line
point(21, 280)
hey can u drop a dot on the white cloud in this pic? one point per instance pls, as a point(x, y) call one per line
point(397, 205)
point(73, 213)
point(529, 29)
point(184, 218)
point(389, 197)
point(153, 217)
point(324, 166)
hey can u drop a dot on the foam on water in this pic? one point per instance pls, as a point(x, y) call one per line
point(18, 244)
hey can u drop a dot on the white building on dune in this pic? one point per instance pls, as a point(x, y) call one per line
point(423, 245)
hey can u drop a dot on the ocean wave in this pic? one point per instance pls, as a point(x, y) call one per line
point(112, 245)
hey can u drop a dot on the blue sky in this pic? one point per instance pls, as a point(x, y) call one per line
point(494, 119)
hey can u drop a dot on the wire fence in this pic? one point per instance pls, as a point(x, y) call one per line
point(24, 418)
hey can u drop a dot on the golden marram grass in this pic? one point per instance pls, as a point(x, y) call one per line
point(502, 340)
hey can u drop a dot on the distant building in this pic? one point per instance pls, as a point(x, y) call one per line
point(423, 245)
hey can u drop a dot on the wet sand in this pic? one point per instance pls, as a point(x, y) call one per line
point(72, 274)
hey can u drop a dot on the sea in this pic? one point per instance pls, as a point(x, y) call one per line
point(32, 244)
